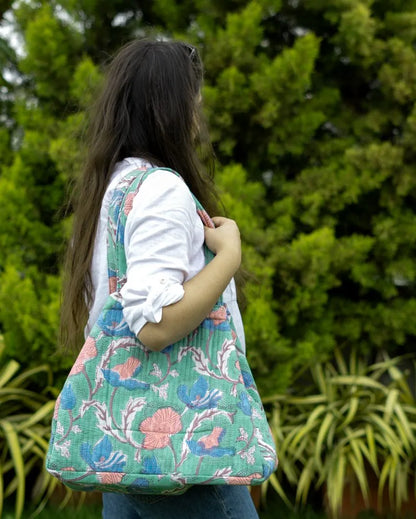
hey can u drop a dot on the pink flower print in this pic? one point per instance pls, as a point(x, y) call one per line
point(237, 365)
point(210, 445)
point(88, 352)
point(57, 405)
point(128, 369)
point(160, 427)
point(206, 220)
point(129, 203)
point(244, 480)
point(123, 375)
point(217, 319)
point(112, 284)
point(212, 440)
point(110, 478)
point(218, 316)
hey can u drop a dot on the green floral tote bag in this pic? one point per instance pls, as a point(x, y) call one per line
point(136, 421)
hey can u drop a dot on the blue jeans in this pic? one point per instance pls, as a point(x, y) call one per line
point(198, 502)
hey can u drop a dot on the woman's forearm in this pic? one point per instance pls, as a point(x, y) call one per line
point(201, 294)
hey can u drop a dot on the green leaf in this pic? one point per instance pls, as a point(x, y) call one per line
point(408, 437)
point(352, 380)
point(1, 493)
point(279, 489)
point(30, 373)
point(352, 406)
point(360, 473)
point(387, 432)
point(44, 412)
point(8, 372)
point(323, 430)
point(14, 446)
point(305, 481)
point(391, 400)
point(372, 451)
point(299, 433)
point(383, 477)
point(335, 479)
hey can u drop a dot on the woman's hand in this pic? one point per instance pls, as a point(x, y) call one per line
point(224, 239)
point(202, 291)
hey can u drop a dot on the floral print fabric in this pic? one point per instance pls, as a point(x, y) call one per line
point(136, 421)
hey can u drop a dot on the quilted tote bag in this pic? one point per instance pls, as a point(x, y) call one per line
point(132, 420)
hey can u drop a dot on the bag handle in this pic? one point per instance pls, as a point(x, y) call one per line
point(130, 185)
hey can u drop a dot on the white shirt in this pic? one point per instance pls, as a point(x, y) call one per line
point(163, 243)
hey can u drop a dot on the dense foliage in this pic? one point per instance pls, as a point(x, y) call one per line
point(351, 434)
point(312, 109)
point(25, 416)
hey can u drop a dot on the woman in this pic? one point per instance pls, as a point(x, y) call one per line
point(149, 115)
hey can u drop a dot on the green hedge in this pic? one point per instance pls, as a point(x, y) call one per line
point(312, 110)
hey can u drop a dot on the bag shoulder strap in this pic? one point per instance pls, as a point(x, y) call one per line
point(119, 209)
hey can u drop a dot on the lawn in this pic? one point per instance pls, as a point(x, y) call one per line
point(94, 512)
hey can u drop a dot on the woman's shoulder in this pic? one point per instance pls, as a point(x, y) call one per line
point(160, 181)
point(165, 186)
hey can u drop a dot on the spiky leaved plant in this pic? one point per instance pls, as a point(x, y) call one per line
point(352, 419)
point(26, 407)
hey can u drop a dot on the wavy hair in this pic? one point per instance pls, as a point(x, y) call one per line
point(149, 107)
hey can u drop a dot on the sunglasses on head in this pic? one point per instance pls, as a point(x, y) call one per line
point(192, 52)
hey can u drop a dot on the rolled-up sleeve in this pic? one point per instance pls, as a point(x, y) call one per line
point(158, 243)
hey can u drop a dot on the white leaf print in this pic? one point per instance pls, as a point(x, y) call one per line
point(129, 412)
point(86, 404)
point(243, 435)
point(64, 448)
point(258, 435)
point(157, 372)
point(162, 391)
point(223, 356)
point(248, 455)
point(256, 413)
point(223, 473)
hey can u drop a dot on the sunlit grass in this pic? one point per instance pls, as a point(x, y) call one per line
point(69, 512)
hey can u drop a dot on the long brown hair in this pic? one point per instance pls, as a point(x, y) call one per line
point(149, 107)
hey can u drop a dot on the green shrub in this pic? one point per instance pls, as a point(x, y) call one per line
point(26, 408)
point(353, 418)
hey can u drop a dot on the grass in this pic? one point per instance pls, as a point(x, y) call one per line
point(93, 511)
point(274, 513)
point(53, 512)
point(273, 509)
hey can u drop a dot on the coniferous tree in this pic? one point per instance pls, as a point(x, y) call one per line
point(311, 106)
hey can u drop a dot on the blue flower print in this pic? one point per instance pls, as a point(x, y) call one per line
point(113, 323)
point(101, 457)
point(168, 349)
point(139, 483)
point(210, 445)
point(244, 404)
point(68, 398)
point(268, 469)
point(151, 465)
point(199, 396)
point(247, 378)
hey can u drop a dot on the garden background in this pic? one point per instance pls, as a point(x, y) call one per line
point(311, 106)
